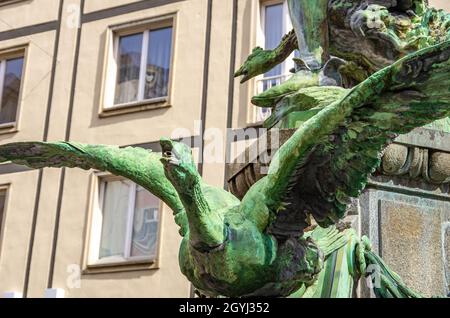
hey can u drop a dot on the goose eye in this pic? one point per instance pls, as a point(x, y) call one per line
point(168, 153)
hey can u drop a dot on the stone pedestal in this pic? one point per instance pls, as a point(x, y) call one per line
point(405, 210)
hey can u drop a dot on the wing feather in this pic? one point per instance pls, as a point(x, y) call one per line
point(137, 164)
point(349, 136)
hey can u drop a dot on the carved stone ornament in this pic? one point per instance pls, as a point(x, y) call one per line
point(431, 165)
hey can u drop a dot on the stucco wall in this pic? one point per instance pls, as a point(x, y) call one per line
point(441, 4)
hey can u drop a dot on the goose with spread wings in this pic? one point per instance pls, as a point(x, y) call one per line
point(257, 246)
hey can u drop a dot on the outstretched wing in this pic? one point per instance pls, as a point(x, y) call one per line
point(137, 164)
point(330, 157)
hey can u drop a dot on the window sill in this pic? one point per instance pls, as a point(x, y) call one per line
point(7, 3)
point(134, 107)
point(256, 124)
point(125, 266)
point(8, 128)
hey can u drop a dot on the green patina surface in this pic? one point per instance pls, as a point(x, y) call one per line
point(263, 245)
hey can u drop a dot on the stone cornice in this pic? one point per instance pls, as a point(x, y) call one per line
point(426, 138)
point(423, 154)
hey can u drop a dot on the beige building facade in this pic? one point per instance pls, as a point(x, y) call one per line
point(118, 72)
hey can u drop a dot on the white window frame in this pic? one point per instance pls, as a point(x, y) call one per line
point(112, 57)
point(93, 259)
point(287, 26)
point(142, 69)
point(4, 57)
point(260, 39)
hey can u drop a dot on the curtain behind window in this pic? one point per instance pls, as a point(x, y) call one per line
point(158, 63)
point(274, 32)
point(145, 224)
point(129, 65)
point(115, 216)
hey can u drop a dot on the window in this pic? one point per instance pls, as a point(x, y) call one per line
point(141, 66)
point(3, 192)
point(7, 2)
point(273, 33)
point(275, 23)
point(10, 82)
point(2, 204)
point(125, 225)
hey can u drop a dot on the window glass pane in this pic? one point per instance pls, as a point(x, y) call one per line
point(145, 224)
point(158, 63)
point(273, 32)
point(115, 215)
point(11, 89)
point(129, 63)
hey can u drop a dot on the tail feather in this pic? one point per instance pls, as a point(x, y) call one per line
point(385, 282)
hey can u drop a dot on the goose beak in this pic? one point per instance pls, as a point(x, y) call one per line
point(168, 155)
point(166, 143)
